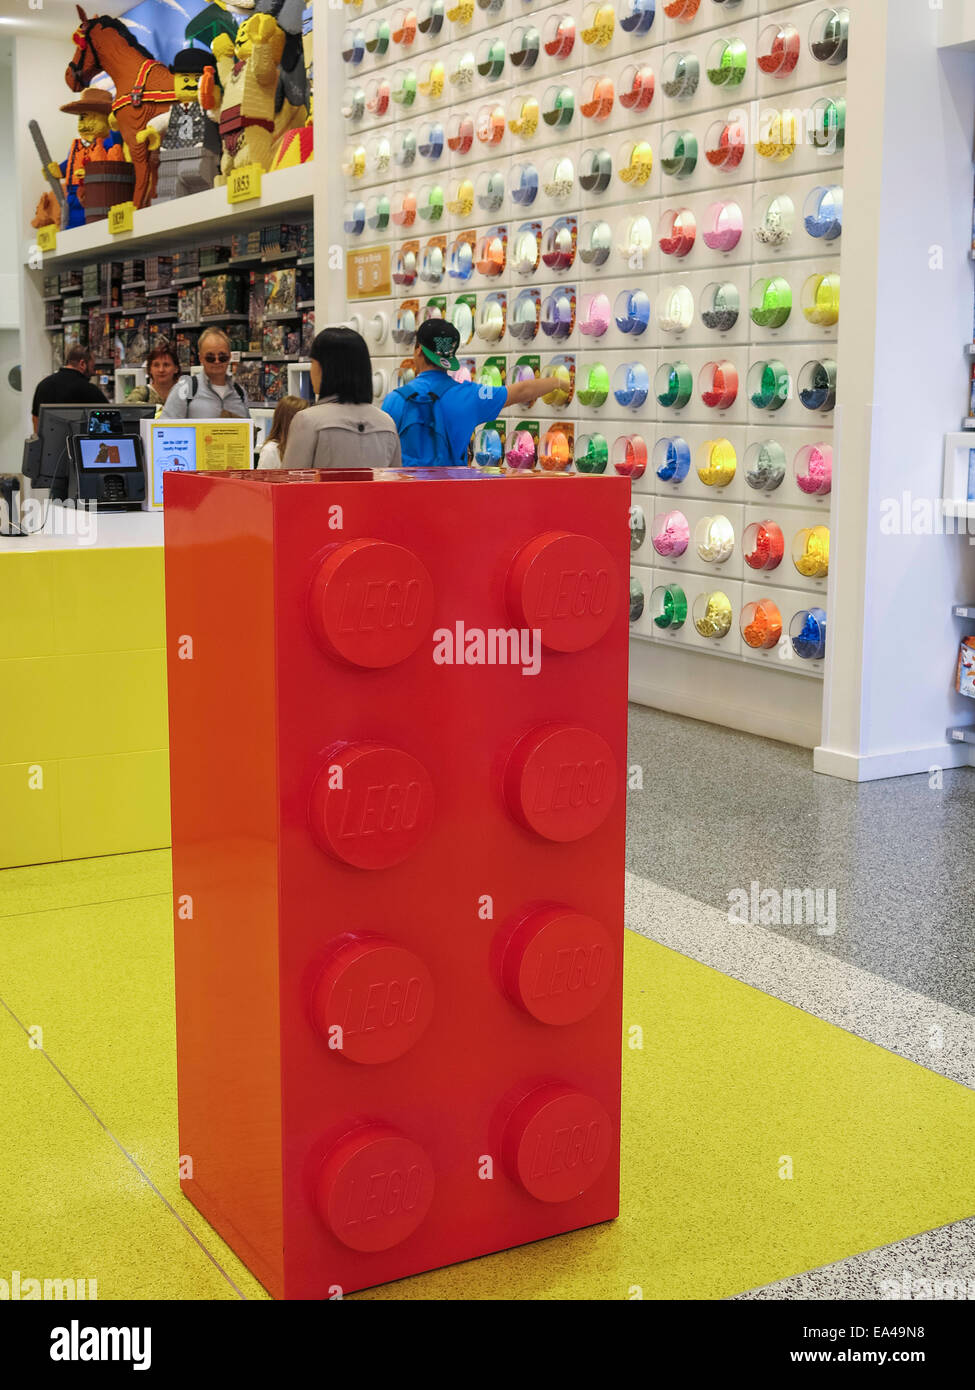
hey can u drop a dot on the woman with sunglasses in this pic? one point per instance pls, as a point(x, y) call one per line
point(212, 395)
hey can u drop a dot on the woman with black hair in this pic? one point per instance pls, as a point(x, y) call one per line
point(344, 430)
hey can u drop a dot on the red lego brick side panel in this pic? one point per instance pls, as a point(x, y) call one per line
point(401, 793)
point(223, 759)
point(451, 867)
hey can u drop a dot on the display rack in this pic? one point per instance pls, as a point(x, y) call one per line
point(575, 188)
point(286, 194)
point(218, 288)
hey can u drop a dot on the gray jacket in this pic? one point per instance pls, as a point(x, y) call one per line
point(330, 435)
point(201, 402)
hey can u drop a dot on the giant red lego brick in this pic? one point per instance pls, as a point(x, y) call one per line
point(398, 750)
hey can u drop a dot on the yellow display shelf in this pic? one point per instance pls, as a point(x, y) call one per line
point(84, 766)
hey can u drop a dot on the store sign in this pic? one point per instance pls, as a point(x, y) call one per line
point(244, 183)
point(120, 218)
point(368, 273)
point(47, 238)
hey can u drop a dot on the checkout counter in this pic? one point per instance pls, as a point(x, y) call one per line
point(84, 762)
point(84, 746)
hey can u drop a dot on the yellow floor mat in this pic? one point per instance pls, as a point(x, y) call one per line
point(730, 1088)
point(73, 1207)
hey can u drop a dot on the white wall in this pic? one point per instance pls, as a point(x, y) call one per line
point(39, 89)
point(330, 138)
point(903, 383)
point(9, 295)
point(10, 400)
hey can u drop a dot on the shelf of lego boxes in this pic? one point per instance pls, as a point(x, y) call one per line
point(570, 189)
point(257, 285)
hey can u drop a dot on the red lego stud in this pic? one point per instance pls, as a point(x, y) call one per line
point(373, 998)
point(371, 805)
point(558, 965)
point(560, 781)
point(567, 587)
point(371, 602)
point(557, 1142)
point(375, 1187)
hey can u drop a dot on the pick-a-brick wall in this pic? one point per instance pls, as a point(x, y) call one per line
point(620, 188)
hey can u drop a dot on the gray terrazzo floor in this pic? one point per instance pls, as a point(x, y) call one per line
point(936, 1265)
point(720, 810)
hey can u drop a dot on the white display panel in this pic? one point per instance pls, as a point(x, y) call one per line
point(718, 246)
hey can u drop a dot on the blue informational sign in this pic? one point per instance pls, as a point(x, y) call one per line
point(174, 450)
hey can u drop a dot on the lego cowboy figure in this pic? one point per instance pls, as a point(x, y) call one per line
point(95, 140)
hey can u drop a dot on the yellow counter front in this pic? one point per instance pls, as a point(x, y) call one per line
point(84, 766)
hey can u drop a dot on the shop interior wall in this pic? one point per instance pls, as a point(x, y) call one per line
point(10, 402)
point(38, 91)
point(908, 314)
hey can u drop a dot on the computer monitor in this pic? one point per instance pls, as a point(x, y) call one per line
point(46, 464)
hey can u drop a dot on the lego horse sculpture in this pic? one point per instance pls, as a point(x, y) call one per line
point(143, 88)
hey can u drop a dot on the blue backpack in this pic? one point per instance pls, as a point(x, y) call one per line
point(423, 438)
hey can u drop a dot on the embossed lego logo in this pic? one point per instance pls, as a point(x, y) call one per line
point(381, 809)
point(492, 646)
point(383, 1004)
point(566, 971)
point(381, 1195)
point(565, 1148)
point(560, 786)
point(373, 1000)
point(572, 593)
point(376, 604)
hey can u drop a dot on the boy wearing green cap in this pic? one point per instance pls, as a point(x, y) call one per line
point(435, 415)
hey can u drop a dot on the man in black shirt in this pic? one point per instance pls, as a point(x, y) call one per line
point(69, 386)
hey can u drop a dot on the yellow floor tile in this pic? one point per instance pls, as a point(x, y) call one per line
point(43, 887)
point(72, 1206)
point(728, 1086)
point(99, 980)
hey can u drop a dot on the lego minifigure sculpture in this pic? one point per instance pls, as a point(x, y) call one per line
point(187, 137)
point(95, 140)
point(251, 122)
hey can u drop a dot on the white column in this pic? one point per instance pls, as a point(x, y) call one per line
point(907, 315)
